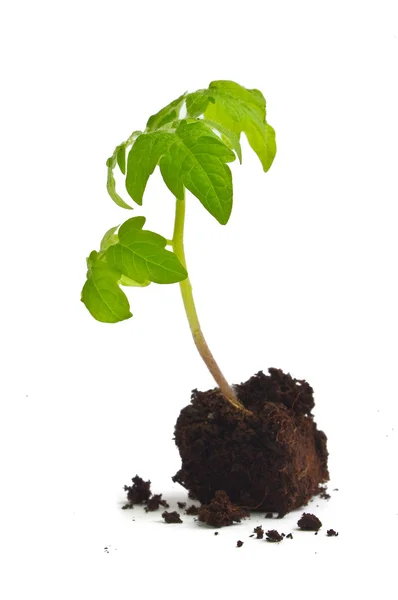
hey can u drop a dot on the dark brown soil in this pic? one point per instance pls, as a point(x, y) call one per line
point(220, 512)
point(289, 535)
point(138, 493)
point(192, 510)
point(325, 495)
point(259, 531)
point(171, 517)
point(331, 533)
point(269, 515)
point(270, 459)
point(273, 536)
point(239, 543)
point(181, 505)
point(155, 502)
point(309, 522)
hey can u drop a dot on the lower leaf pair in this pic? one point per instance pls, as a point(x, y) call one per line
point(131, 257)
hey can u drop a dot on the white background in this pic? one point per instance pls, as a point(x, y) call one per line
point(302, 278)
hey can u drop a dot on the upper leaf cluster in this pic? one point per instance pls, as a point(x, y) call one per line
point(192, 151)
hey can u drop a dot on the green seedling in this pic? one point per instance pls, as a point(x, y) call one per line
point(192, 152)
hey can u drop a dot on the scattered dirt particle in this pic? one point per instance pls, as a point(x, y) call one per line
point(331, 533)
point(155, 502)
point(192, 510)
point(239, 543)
point(259, 531)
point(138, 493)
point(171, 517)
point(290, 536)
point(269, 515)
point(181, 505)
point(273, 536)
point(309, 522)
point(216, 533)
point(325, 496)
point(336, 489)
point(221, 512)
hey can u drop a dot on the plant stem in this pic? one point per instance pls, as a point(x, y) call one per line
point(192, 315)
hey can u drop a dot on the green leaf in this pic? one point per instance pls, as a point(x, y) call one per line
point(109, 238)
point(141, 255)
point(196, 103)
point(121, 158)
point(193, 157)
point(101, 294)
point(229, 138)
point(111, 183)
point(243, 110)
point(166, 115)
point(239, 110)
point(142, 160)
point(126, 281)
point(197, 160)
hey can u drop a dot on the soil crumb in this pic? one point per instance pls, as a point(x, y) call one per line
point(290, 536)
point(221, 512)
point(323, 493)
point(192, 510)
point(216, 533)
point(171, 517)
point(273, 536)
point(181, 505)
point(309, 522)
point(138, 493)
point(269, 515)
point(239, 544)
point(259, 531)
point(331, 533)
point(155, 502)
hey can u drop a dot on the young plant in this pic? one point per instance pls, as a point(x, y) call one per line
point(193, 152)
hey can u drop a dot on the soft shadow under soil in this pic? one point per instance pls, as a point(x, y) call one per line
point(270, 459)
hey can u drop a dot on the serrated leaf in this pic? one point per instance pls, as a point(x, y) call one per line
point(243, 110)
point(142, 160)
point(197, 160)
point(239, 110)
point(193, 157)
point(166, 115)
point(101, 294)
point(141, 256)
